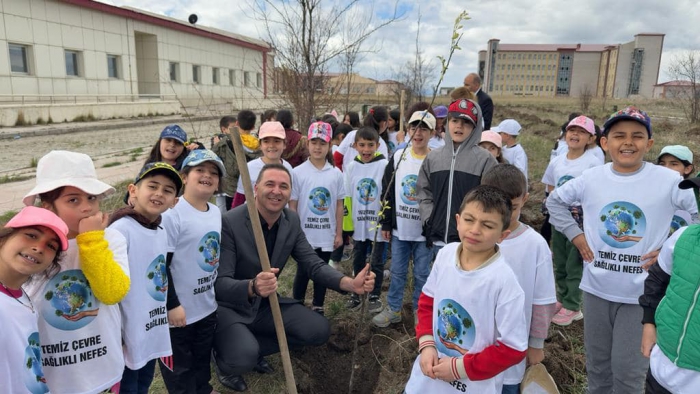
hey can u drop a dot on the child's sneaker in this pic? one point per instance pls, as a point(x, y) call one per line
point(557, 307)
point(565, 317)
point(386, 318)
point(318, 309)
point(353, 302)
point(375, 304)
point(347, 253)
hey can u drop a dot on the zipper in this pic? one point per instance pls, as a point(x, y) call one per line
point(449, 190)
point(685, 325)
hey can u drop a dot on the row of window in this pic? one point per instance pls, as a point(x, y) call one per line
point(527, 56)
point(526, 77)
point(524, 88)
point(216, 72)
point(529, 67)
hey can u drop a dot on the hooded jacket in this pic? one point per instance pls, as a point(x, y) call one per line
point(446, 176)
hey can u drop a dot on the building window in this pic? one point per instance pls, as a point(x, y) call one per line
point(232, 77)
point(19, 58)
point(113, 63)
point(174, 72)
point(196, 76)
point(215, 76)
point(247, 80)
point(73, 67)
point(258, 80)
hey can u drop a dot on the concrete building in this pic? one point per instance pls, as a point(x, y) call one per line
point(676, 90)
point(603, 70)
point(119, 61)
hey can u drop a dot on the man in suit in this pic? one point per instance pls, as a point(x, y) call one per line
point(473, 83)
point(245, 331)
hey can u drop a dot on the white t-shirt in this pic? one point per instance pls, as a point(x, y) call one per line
point(393, 142)
point(408, 224)
point(349, 153)
point(194, 236)
point(597, 152)
point(20, 349)
point(623, 220)
point(363, 183)
point(317, 193)
point(561, 169)
point(82, 352)
point(254, 167)
point(516, 156)
point(562, 148)
point(472, 310)
point(436, 142)
point(529, 257)
point(145, 329)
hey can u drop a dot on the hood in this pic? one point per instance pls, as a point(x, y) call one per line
point(474, 138)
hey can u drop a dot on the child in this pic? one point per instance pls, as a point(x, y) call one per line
point(567, 261)
point(528, 255)
point(30, 244)
point(320, 187)
point(194, 233)
point(470, 321)
point(79, 304)
point(352, 119)
point(513, 152)
point(392, 130)
point(450, 172)
point(171, 147)
point(144, 318)
point(492, 142)
point(272, 137)
point(680, 159)
point(339, 134)
point(438, 139)
point(295, 150)
point(626, 219)
point(670, 326)
point(245, 121)
point(377, 118)
point(364, 188)
point(401, 223)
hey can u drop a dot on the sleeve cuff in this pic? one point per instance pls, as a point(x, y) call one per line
point(537, 343)
point(572, 232)
point(649, 316)
point(425, 341)
point(458, 369)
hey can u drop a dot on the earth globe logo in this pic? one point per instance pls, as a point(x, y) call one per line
point(409, 194)
point(319, 200)
point(455, 328)
point(564, 179)
point(209, 251)
point(34, 377)
point(676, 223)
point(367, 191)
point(622, 224)
point(70, 303)
point(157, 284)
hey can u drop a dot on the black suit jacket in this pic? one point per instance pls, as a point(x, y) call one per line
point(239, 263)
point(486, 105)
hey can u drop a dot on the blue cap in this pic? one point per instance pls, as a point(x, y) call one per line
point(175, 132)
point(440, 111)
point(199, 156)
point(629, 113)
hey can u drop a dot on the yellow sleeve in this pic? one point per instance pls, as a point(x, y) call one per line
point(107, 279)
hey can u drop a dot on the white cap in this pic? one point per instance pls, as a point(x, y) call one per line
point(425, 117)
point(509, 126)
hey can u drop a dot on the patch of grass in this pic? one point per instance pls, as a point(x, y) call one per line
point(33, 162)
point(40, 120)
point(50, 120)
point(20, 119)
point(116, 200)
point(84, 118)
point(14, 178)
point(112, 164)
point(5, 217)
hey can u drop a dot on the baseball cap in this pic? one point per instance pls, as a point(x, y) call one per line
point(680, 152)
point(158, 168)
point(60, 168)
point(510, 127)
point(463, 109)
point(629, 113)
point(199, 156)
point(320, 130)
point(583, 122)
point(272, 129)
point(35, 216)
point(440, 111)
point(424, 117)
point(492, 137)
point(174, 132)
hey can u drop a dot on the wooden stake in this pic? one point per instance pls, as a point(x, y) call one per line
point(401, 118)
point(264, 258)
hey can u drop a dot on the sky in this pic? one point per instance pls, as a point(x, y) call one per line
point(511, 21)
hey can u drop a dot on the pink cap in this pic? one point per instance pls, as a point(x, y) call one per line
point(35, 216)
point(492, 137)
point(582, 122)
point(320, 130)
point(272, 129)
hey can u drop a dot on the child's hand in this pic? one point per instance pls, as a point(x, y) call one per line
point(338, 241)
point(386, 235)
point(582, 245)
point(534, 356)
point(443, 369)
point(96, 222)
point(176, 316)
point(650, 259)
point(648, 339)
point(428, 359)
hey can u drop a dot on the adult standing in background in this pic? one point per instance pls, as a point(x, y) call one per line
point(473, 83)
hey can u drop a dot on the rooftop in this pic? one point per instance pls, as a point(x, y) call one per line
point(553, 47)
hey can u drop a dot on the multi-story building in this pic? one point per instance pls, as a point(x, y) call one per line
point(601, 70)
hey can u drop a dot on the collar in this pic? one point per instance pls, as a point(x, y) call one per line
point(265, 225)
point(483, 265)
point(142, 220)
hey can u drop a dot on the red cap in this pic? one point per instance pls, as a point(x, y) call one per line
point(463, 109)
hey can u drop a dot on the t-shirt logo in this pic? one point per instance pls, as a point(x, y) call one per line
point(209, 251)
point(409, 194)
point(366, 191)
point(71, 304)
point(455, 329)
point(676, 223)
point(319, 200)
point(622, 224)
point(34, 376)
point(564, 179)
point(157, 284)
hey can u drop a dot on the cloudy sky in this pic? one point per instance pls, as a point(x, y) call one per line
point(512, 21)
